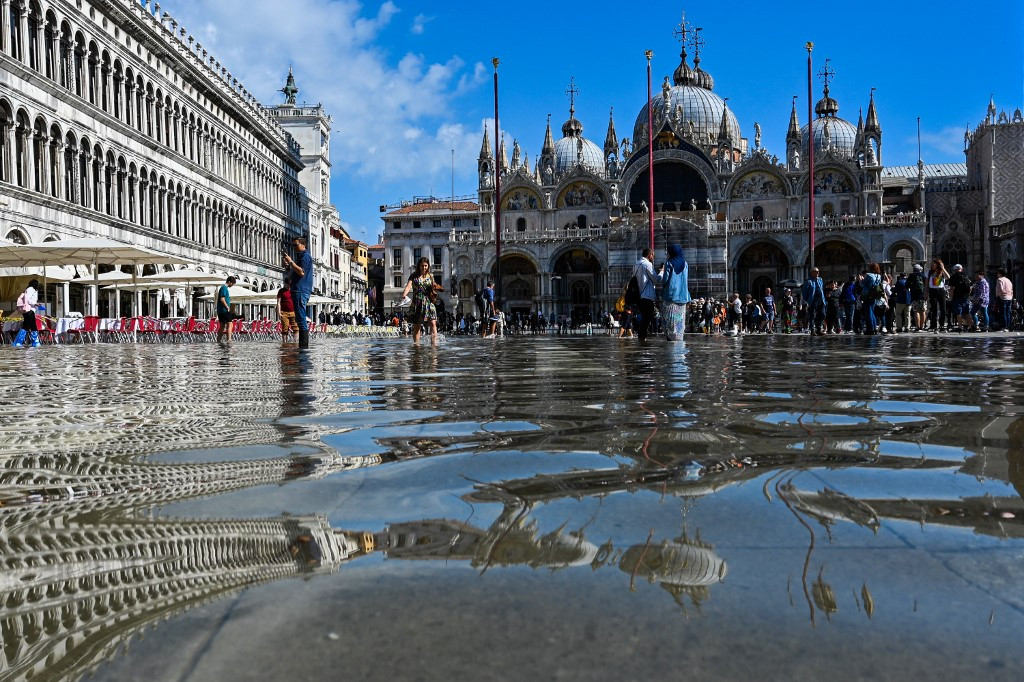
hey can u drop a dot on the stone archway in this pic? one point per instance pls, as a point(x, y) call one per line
point(838, 260)
point(518, 283)
point(760, 266)
point(577, 278)
point(678, 186)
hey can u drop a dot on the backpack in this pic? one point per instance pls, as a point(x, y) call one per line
point(916, 284)
point(479, 299)
point(631, 293)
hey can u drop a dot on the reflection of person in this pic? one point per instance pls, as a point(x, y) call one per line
point(286, 312)
point(27, 305)
point(423, 289)
point(301, 286)
point(224, 316)
point(676, 292)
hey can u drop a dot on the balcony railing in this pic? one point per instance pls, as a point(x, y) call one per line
point(836, 223)
point(526, 236)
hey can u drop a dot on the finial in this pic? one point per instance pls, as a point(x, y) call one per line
point(572, 91)
point(289, 89)
point(827, 72)
point(696, 42)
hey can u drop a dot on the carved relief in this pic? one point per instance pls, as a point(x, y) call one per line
point(521, 200)
point(581, 194)
point(757, 185)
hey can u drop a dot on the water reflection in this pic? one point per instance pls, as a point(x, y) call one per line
point(659, 466)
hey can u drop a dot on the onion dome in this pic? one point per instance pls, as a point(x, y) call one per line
point(574, 149)
point(692, 107)
point(829, 131)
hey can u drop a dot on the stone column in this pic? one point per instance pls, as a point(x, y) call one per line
point(57, 162)
point(90, 182)
point(5, 29)
point(23, 34)
point(144, 202)
point(44, 164)
point(74, 179)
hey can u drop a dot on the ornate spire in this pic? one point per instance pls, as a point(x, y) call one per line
point(992, 107)
point(549, 142)
point(289, 89)
point(826, 106)
point(723, 130)
point(572, 127)
point(485, 147)
point(871, 125)
point(860, 130)
point(611, 140)
point(502, 155)
point(794, 124)
point(526, 163)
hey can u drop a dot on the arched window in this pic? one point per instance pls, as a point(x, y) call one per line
point(954, 252)
point(903, 260)
point(581, 221)
point(521, 225)
point(758, 213)
point(580, 293)
point(18, 237)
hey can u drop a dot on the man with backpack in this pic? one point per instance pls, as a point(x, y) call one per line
point(961, 286)
point(918, 303)
point(644, 273)
point(902, 300)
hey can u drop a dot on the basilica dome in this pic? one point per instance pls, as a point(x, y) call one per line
point(830, 131)
point(692, 108)
point(570, 150)
point(841, 134)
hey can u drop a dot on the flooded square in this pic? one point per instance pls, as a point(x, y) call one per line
point(537, 507)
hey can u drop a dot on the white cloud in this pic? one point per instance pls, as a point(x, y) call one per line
point(947, 143)
point(394, 115)
point(419, 24)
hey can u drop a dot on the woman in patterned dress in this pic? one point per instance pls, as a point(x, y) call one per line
point(676, 292)
point(422, 287)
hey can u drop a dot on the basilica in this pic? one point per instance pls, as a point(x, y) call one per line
point(573, 224)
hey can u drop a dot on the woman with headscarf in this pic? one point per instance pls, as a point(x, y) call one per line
point(675, 293)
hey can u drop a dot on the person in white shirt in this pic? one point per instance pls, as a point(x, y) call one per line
point(644, 273)
point(27, 305)
point(1004, 294)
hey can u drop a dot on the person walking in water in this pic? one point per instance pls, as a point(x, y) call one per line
point(301, 286)
point(676, 293)
point(423, 289)
point(224, 314)
point(27, 305)
point(645, 278)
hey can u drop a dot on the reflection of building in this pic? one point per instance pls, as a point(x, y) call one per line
point(116, 123)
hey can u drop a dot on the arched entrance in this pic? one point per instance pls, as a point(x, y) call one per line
point(762, 265)
point(837, 260)
point(677, 187)
point(518, 277)
point(578, 272)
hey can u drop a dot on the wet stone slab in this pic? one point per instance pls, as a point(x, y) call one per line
point(549, 508)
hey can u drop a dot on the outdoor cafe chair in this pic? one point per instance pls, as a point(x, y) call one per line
point(89, 329)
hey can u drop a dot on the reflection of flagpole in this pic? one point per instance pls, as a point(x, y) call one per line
point(810, 153)
point(497, 192)
point(650, 152)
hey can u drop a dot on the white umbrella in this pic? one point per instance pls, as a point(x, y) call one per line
point(89, 251)
point(235, 292)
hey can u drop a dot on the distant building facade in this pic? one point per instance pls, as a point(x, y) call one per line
point(573, 224)
point(427, 228)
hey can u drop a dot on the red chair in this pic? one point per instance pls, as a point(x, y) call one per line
point(46, 327)
point(90, 328)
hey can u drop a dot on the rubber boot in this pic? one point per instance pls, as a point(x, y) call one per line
point(303, 338)
point(19, 340)
point(35, 339)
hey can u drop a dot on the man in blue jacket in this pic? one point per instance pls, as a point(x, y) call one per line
point(301, 270)
point(813, 292)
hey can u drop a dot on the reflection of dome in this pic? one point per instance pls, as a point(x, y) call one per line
point(567, 151)
point(842, 135)
point(700, 106)
point(677, 563)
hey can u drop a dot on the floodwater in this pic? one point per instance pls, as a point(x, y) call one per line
point(547, 508)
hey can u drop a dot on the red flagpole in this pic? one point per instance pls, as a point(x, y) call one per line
point(497, 190)
point(810, 152)
point(650, 152)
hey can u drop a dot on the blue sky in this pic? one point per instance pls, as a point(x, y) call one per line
point(408, 81)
